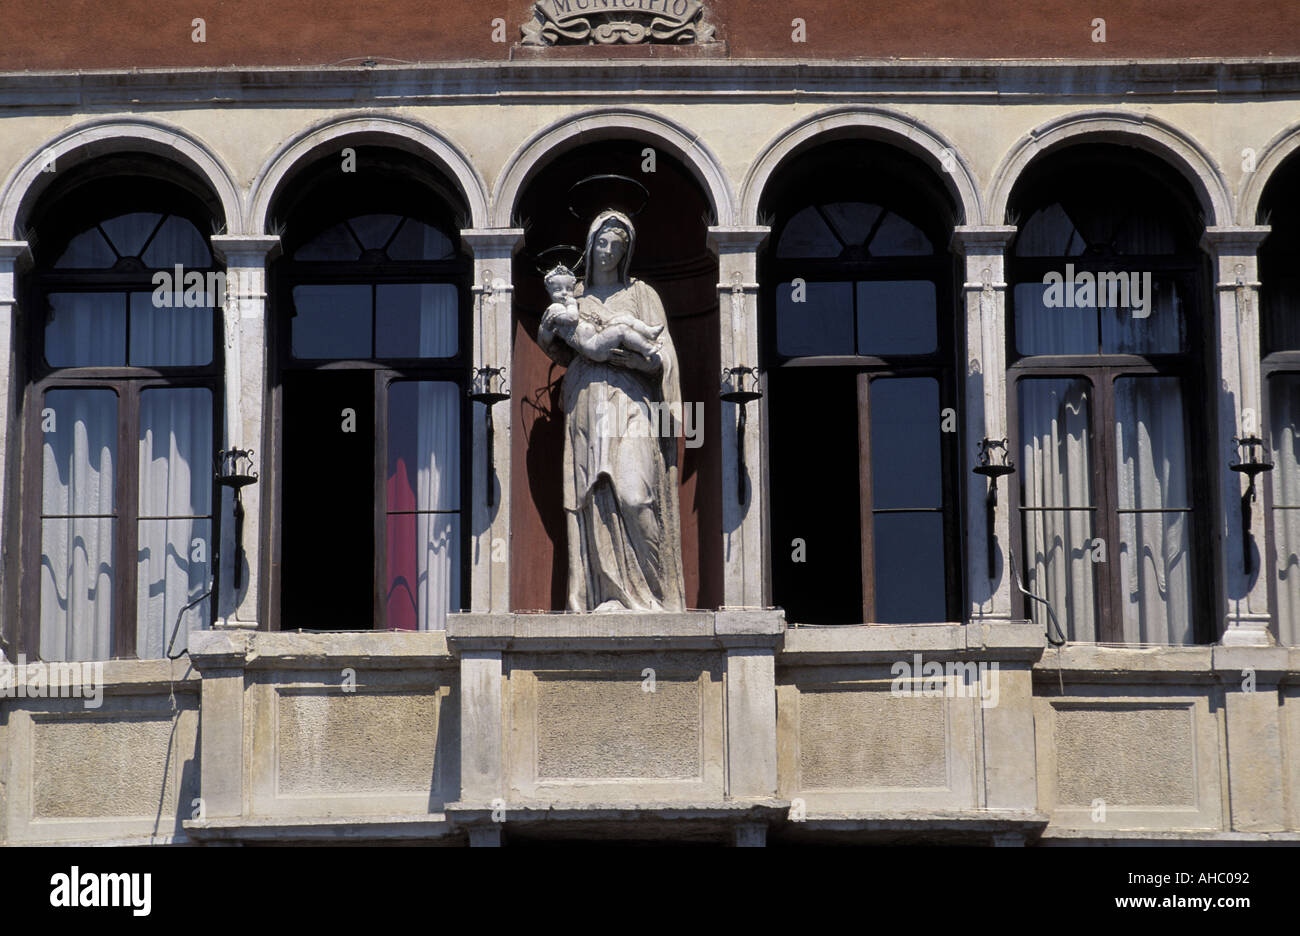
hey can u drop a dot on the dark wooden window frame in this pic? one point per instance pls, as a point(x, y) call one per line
point(1101, 370)
point(1276, 360)
point(939, 269)
point(285, 274)
point(1275, 364)
point(128, 382)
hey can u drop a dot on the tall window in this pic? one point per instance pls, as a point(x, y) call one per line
point(124, 367)
point(1106, 359)
point(1280, 346)
point(858, 349)
point(373, 482)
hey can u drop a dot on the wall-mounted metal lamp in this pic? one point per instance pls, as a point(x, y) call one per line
point(234, 469)
point(1250, 462)
point(489, 388)
point(993, 468)
point(740, 386)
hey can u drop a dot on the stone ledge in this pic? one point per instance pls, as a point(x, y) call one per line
point(216, 650)
point(433, 825)
point(1267, 662)
point(1027, 822)
point(622, 630)
point(865, 643)
point(131, 676)
point(1066, 837)
point(1209, 664)
point(130, 841)
point(529, 811)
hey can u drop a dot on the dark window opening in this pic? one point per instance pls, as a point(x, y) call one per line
point(372, 304)
point(858, 343)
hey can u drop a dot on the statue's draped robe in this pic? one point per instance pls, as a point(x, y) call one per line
point(620, 475)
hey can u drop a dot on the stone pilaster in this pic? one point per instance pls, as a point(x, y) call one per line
point(744, 553)
point(751, 722)
point(14, 255)
point(985, 368)
point(491, 346)
point(220, 660)
point(1255, 729)
point(1234, 253)
point(244, 320)
point(482, 743)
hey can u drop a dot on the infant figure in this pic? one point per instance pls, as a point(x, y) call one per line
point(598, 339)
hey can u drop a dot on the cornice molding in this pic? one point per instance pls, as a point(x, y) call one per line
point(502, 82)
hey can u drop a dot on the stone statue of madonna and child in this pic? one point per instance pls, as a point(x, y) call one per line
point(620, 458)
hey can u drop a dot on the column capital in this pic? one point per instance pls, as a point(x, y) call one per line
point(981, 238)
point(245, 249)
point(1234, 239)
point(15, 253)
point(737, 237)
point(493, 241)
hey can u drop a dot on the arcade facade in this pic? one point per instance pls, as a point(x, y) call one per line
point(357, 629)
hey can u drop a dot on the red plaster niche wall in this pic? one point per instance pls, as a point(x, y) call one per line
point(71, 34)
point(671, 256)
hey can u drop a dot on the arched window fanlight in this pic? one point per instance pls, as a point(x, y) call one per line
point(1097, 225)
point(137, 240)
point(376, 238)
point(851, 231)
point(105, 307)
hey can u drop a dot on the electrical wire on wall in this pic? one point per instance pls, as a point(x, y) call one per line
point(1059, 640)
point(1053, 624)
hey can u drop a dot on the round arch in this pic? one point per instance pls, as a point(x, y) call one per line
point(108, 136)
point(604, 124)
point(400, 133)
point(1144, 131)
point(1274, 155)
point(870, 123)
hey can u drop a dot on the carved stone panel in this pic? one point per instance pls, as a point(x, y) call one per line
point(612, 22)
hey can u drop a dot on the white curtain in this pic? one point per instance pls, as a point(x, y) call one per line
point(1284, 431)
point(439, 321)
point(173, 515)
point(1156, 328)
point(169, 337)
point(1056, 480)
point(1043, 330)
point(86, 329)
point(438, 457)
point(129, 232)
point(423, 542)
point(175, 520)
point(1159, 330)
point(177, 241)
point(438, 488)
point(1154, 549)
point(77, 498)
point(177, 336)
